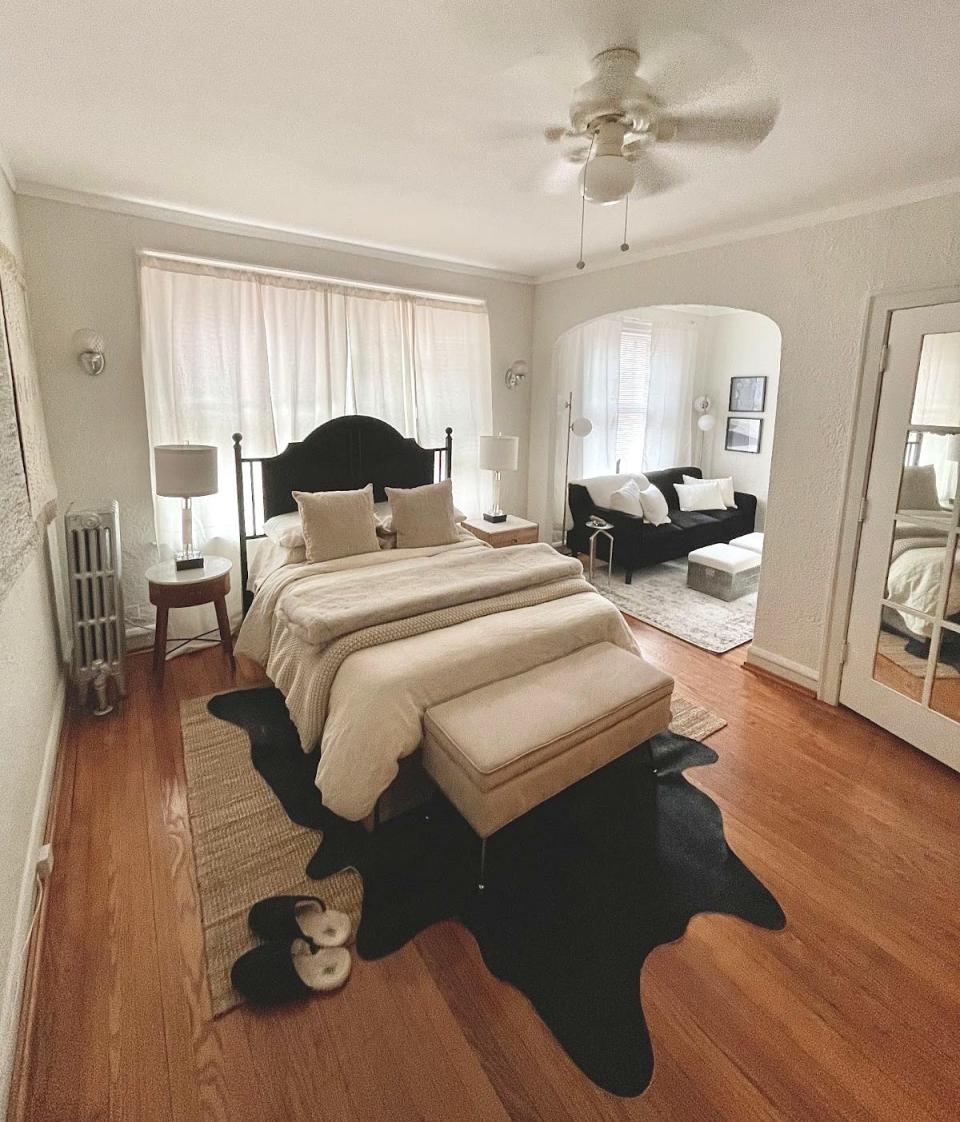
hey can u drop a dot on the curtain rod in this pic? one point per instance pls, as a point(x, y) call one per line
point(266, 270)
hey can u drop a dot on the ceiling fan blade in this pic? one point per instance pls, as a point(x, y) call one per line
point(557, 178)
point(683, 67)
point(654, 175)
point(555, 133)
point(744, 128)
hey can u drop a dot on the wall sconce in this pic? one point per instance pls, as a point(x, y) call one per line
point(89, 346)
point(516, 373)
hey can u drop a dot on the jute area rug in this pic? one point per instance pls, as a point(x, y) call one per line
point(245, 847)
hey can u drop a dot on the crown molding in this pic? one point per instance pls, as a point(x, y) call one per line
point(137, 208)
point(6, 170)
point(890, 201)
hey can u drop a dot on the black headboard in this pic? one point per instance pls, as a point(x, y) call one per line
point(341, 455)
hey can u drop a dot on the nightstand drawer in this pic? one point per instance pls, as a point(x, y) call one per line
point(518, 537)
point(514, 531)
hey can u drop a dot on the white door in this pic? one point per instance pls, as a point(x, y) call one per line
point(903, 657)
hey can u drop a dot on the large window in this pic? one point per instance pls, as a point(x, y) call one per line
point(633, 394)
point(273, 355)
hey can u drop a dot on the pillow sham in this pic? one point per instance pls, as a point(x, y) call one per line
point(285, 530)
point(726, 487)
point(918, 489)
point(423, 515)
point(627, 499)
point(337, 523)
point(654, 503)
point(700, 496)
point(385, 518)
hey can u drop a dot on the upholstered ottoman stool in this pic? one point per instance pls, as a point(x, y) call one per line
point(499, 751)
point(753, 542)
point(724, 571)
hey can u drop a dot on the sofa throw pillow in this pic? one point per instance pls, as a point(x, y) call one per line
point(337, 523)
point(918, 489)
point(601, 487)
point(627, 499)
point(726, 488)
point(700, 496)
point(423, 516)
point(654, 504)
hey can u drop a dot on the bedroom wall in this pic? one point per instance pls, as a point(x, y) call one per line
point(82, 262)
point(815, 283)
point(740, 344)
point(31, 704)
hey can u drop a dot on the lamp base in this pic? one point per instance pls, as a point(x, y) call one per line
point(497, 516)
point(185, 561)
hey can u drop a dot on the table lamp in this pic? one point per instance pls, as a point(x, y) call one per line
point(497, 454)
point(187, 472)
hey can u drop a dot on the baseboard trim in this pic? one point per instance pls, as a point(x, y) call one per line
point(780, 667)
point(14, 983)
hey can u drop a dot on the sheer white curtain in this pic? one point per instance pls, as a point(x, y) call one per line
point(937, 402)
point(586, 363)
point(669, 429)
point(225, 350)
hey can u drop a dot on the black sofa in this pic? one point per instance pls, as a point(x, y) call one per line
point(637, 543)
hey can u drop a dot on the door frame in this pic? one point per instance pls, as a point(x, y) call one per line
point(881, 307)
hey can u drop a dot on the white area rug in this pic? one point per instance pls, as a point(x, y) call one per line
point(659, 596)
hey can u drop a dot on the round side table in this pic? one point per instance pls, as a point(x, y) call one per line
point(187, 589)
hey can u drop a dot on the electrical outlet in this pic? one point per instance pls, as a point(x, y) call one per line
point(45, 861)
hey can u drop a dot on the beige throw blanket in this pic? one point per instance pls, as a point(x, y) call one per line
point(318, 612)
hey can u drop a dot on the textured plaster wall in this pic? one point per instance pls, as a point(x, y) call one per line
point(83, 273)
point(30, 684)
point(815, 284)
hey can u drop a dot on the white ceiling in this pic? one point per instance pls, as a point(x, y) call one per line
point(416, 126)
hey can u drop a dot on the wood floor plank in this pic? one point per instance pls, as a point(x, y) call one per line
point(851, 1013)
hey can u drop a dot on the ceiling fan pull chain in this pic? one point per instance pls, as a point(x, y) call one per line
point(581, 264)
point(626, 214)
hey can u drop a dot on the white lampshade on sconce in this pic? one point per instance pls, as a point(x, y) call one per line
point(953, 448)
point(497, 454)
point(516, 374)
point(89, 347)
point(187, 472)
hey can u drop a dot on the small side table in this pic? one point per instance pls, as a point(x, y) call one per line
point(601, 530)
point(188, 589)
point(515, 531)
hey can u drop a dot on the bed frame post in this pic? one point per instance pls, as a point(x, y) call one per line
point(448, 453)
point(246, 595)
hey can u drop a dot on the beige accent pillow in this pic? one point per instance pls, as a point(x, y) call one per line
point(423, 515)
point(337, 523)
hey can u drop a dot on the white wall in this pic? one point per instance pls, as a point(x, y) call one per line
point(814, 282)
point(31, 698)
point(739, 344)
point(83, 272)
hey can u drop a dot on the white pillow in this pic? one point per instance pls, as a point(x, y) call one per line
point(285, 530)
point(423, 516)
point(601, 487)
point(655, 509)
point(918, 489)
point(384, 519)
point(700, 496)
point(627, 499)
point(726, 487)
point(337, 523)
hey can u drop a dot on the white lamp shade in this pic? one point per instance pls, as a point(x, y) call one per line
point(498, 453)
point(706, 422)
point(608, 179)
point(953, 448)
point(581, 427)
point(185, 471)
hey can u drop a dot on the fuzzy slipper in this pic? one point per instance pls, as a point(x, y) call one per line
point(273, 974)
point(281, 919)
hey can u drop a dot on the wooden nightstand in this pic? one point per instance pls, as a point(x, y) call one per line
point(515, 531)
point(186, 589)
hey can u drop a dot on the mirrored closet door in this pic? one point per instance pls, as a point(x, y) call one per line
point(903, 659)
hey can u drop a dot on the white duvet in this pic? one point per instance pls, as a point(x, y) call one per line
point(915, 581)
point(374, 716)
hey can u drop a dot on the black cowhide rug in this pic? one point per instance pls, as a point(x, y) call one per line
point(578, 892)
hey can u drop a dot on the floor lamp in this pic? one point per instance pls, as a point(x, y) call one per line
point(580, 427)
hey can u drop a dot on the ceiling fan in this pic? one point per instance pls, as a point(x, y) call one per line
point(617, 121)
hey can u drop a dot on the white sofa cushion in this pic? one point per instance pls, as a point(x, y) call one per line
point(726, 487)
point(627, 499)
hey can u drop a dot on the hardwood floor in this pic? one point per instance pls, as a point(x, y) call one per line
point(852, 1012)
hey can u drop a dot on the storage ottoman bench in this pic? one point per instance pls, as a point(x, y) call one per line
point(724, 571)
point(500, 750)
point(753, 542)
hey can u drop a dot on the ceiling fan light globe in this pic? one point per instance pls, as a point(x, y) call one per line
point(607, 179)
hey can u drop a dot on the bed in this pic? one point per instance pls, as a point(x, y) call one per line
point(361, 647)
point(916, 573)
